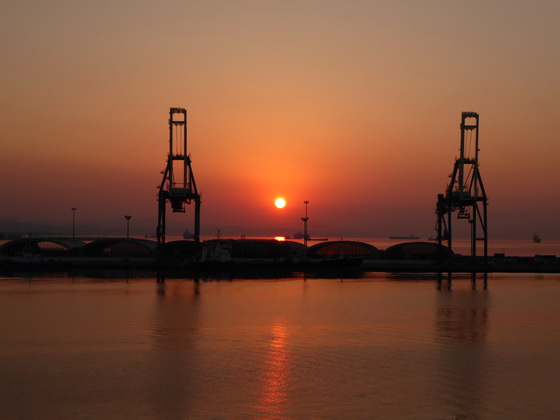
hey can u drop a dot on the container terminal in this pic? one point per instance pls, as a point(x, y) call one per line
point(464, 197)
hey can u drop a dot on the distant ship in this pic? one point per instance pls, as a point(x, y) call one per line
point(188, 235)
point(536, 239)
point(299, 235)
point(404, 237)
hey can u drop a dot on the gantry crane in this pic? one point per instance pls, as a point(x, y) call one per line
point(465, 192)
point(178, 185)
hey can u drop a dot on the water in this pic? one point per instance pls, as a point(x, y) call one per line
point(379, 346)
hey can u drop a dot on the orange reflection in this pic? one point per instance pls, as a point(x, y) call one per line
point(276, 371)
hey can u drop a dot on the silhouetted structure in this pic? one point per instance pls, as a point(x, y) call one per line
point(342, 249)
point(418, 251)
point(128, 226)
point(41, 247)
point(119, 248)
point(178, 185)
point(304, 220)
point(66, 253)
point(465, 192)
point(181, 250)
point(224, 250)
point(74, 222)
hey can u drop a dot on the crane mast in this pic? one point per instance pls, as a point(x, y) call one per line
point(178, 186)
point(465, 193)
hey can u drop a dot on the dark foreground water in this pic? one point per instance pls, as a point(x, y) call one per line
point(376, 347)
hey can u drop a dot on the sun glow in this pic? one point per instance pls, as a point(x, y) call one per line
point(280, 203)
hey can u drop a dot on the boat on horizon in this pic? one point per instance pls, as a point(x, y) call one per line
point(405, 237)
point(299, 235)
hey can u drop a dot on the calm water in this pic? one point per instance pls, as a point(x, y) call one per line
point(377, 347)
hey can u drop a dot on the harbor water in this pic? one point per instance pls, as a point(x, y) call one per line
point(106, 345)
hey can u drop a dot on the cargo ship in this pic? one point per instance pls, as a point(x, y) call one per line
point(411, 237)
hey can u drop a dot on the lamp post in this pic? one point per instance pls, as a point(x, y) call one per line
point(127, 225)
point(305, 219)
point(74, 222)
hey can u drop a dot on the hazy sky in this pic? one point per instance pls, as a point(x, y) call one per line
point(353, 105)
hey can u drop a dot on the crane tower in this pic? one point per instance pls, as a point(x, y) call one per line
point(465, 193)
point(178, 186)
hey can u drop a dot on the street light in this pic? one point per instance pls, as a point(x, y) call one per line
point(127, 225)
point(74, 222)
point(305, 219)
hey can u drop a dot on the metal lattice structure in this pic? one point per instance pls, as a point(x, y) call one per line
point(465, 193)
point(178, 186)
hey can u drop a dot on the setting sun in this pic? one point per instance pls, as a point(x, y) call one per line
point(280, 203)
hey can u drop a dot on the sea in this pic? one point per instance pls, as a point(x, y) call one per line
point(118, 344)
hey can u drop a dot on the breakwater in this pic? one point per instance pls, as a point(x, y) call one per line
point(229, 254)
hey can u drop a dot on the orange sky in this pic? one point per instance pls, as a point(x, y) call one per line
point(352, 105)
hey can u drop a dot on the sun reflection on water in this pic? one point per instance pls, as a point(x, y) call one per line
point(276, 373)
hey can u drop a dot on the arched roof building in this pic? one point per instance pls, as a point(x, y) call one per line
point(249, 248)
point(258, 249)
point(181, 250)
point(119, 247)
point(417, 251)
point(243, 250)
point(336, 249)
point(43, 247)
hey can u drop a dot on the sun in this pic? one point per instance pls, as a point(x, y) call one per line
point(280, 203)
